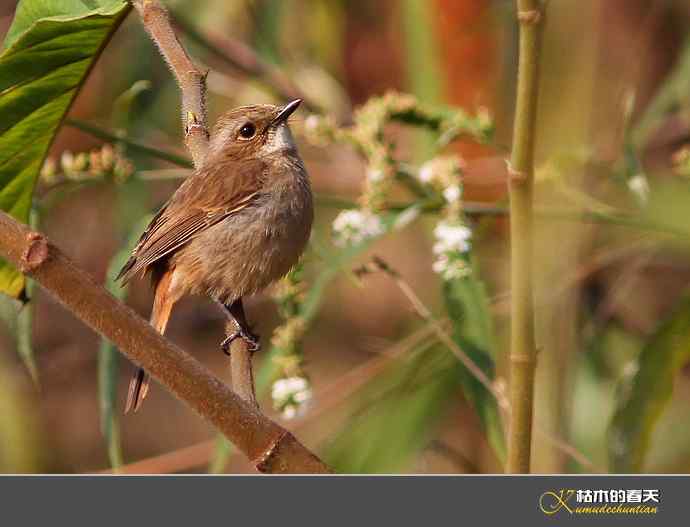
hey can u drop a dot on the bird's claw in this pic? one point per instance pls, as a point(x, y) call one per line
point(250, 338)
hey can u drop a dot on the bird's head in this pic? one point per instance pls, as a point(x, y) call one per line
point(254, 131)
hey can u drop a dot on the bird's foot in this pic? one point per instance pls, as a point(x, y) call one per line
point(250, 338)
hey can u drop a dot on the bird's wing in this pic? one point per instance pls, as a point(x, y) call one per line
point(203, 200)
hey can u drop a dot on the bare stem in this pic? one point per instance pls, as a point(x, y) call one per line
point(270, 447)
point(523, 353)
point(191, 80)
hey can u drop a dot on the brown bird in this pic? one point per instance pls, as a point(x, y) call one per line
point(240, 222)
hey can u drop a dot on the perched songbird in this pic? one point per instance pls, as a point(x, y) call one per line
point(240, 222)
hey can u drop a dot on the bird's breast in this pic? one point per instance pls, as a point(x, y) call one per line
point(254, 247)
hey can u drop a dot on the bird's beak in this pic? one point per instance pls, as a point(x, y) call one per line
point(286, 111)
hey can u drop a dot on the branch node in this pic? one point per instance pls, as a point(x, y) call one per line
point(263, 464)
point(515, 176)
point(36, 252)
point(523, 359)
point(194, 128)
point(530, 17)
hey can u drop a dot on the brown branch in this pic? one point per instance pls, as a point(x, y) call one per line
point(191, 80)
point(241, 371)
point(192, 83)
point(329, 397)
point(270, 447)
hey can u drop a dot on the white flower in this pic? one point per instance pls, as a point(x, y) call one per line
point(452, 193)
point(375, 175)
point(639, 186)
point(450, 238)
point(290, 394)
point(426, 172)
point(452, 242)
point(450, 268)
point(354, 226)
point(440, 264)
point(311, 123)
point(290, 412)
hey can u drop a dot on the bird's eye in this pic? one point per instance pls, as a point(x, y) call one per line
point(247, 131)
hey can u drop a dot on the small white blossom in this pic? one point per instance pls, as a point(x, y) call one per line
point(289, 412)
point(290, 394)
point(67, 161)
point(452, 238)
point(375, 175)
point(426, 172)
point(639, 186)
point(354, 226)
point(440, 264)
point(311, 123)
point(452, 242)
point(452, 193)
point(451, 268)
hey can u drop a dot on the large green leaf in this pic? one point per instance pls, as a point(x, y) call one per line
point(47, 55)
point(468, 308)
point(643, 396)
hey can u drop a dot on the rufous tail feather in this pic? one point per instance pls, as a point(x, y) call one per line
point(162, 307)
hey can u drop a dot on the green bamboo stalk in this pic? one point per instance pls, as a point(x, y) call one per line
point(523, 350)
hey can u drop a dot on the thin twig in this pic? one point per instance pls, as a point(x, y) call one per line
point(114, 137)
point(192, 82)
point(270, 447)
point(178, 460)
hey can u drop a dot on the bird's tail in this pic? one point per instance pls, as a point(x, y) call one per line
point(138, 388)
point(162, 306)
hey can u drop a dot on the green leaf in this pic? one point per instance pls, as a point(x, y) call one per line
point(108, 357)
point(47, 55)
point(397, 413)
point(642, 397)
point(468, 308)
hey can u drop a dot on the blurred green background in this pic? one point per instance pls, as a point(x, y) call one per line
point(612, 251)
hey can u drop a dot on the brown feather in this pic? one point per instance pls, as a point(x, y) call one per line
point(204, 199)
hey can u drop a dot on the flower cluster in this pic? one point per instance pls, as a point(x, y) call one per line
point(444, 174)
point(368, 138)
point(290, 394)
point(639, 186)
point(291, 390)
point(100, 163)
point(452, 235)
point(354, 226)
point(451, 249)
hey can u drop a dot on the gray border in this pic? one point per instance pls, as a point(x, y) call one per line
point(324, 501)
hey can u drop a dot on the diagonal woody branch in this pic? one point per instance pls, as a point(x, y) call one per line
point(192, 84)
point(271, 448)
point(191, 80)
